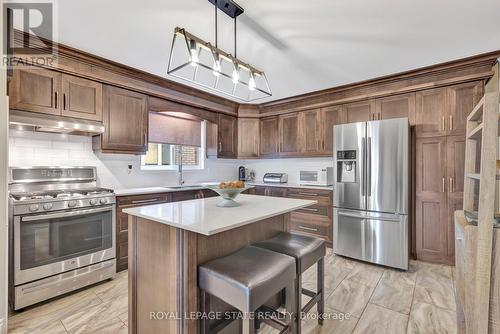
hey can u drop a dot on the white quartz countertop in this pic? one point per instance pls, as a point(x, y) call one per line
point(204, 217)
point(154, 190)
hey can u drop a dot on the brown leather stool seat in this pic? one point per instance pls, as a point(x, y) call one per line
point(307, 251)
point(245, 280)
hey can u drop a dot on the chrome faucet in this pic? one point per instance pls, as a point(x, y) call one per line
point(179, 165)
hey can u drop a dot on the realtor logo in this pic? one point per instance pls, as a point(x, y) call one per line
point(30, 33)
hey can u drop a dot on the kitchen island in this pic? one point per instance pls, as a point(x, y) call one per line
point(168, 241)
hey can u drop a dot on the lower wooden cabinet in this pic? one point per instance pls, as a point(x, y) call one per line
point(315, 220)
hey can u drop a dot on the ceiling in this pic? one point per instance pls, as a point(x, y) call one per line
point(302, 46)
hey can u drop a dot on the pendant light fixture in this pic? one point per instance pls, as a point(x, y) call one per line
point(214, 68)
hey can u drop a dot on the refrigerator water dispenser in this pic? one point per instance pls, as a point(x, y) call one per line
point(346, 166)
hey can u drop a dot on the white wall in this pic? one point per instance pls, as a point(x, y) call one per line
point(45, 149)
point(291, 166)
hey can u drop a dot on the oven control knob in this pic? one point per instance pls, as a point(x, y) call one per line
point(34, 207)
point(103, 200)
point(72, 204)
point(93, 201)
point(47, 206)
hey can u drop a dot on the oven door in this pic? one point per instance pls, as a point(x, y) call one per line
point(52, 243)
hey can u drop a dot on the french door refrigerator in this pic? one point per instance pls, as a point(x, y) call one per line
point(371, 189)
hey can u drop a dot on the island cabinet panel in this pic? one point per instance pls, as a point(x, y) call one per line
point(123, 202)
point(248, 137)
point(396, 106)
point(330, 117)
point(35, 89)
point(290, 135)
point(359, 111)
point(81, 98)
point(125, 118)
point(269, 137)
point(228, 136)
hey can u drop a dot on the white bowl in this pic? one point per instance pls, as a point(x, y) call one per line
point(228, 195)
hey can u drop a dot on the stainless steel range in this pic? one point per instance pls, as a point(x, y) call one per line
point(62, 232)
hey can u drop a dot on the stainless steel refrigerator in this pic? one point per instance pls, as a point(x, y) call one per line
point(371, 189)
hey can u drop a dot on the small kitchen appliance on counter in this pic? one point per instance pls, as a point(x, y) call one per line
point(321, 176)
point(242, 173)
point(275, 178)
point(62, 232)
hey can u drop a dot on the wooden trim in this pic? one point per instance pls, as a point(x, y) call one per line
point(132, 274)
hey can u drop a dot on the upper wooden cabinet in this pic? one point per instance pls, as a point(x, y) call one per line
point(81, 98)
point(125, 117)
point(35, 89)
point(461, 99)
point(228, 136)
point(312, 130)
point(269, 137)
point(290, 134)
point(359, 111)
point(330, 116)
point(431, 113)
point(396, 106)
point(248, 137)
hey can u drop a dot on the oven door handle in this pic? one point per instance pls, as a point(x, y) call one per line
point(65, 214)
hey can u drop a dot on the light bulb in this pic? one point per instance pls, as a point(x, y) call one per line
point(251, 82)
point(194, 53)
point(236, 74)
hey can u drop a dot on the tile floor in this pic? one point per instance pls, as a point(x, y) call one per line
point(361, 298)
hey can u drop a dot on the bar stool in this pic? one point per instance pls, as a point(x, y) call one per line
point(245, 280)
point(306, 251)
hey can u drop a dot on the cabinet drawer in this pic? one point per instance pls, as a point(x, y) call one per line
point(322, 196)
point(138, 200)
point(316, 210)
point(310, 228)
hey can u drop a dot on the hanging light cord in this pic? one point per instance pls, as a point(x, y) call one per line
point(215, 5)
point(234, 36)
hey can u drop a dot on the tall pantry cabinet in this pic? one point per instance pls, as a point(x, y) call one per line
point(439, 166)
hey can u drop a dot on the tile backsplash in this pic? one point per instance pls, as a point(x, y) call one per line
point(28, 148)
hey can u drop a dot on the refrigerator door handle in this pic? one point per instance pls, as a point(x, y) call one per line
point(353, 215)
point(363, 172)
point(369, 167)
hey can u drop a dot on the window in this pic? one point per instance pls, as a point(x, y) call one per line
point(167, 156)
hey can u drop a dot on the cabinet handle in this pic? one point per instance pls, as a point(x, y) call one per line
point(443, 125)
point(145, 201)
point(308, 228)
point(64, 101)
point(55, 99)
point(310, 209)
point(451, 122)
point(443, 185)
point(379, 115)
point(220, 146)
point(451, 185)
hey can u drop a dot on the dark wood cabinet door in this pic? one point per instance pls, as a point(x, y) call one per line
point(82, 98)
point(455, 161)
point(248, 137)
point(227, 136)
point(431, 113)
point(312, 141)
point(395, 107)
point(121, 240)
point(290, 143)
point(276, 192)
point(269, 137)
point(260, 190)
point(330, 116)
point(125, 118)
point(35, 89)
point(461, 100)
point(431, 214)
point(211, 139)
point(359, 111)
point(179, 196)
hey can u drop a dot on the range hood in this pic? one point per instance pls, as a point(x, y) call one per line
point(30, 121)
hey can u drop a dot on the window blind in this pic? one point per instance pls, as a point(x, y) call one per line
point(167, 129)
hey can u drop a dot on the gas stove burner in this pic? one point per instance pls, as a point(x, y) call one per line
point(31, 197)
point(66, 195)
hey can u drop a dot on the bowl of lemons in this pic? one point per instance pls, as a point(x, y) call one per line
point(228, 190)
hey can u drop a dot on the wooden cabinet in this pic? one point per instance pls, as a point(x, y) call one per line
point(227, 134)
point(269, 137)
point(248, 137)
point(461, 99)
point(270, 191)
point(312, 129)
point(212, 142)
point(35, 89)
point(81, 98)
point(290, 134)
point(125, 117)
point(396, 106)
point(439, 192)
point(124, 202)
point(359, 111)
point(431, 113)
point(330, 116)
